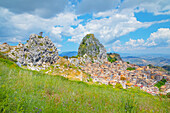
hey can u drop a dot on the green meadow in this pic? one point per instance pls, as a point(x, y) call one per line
point(26, 91)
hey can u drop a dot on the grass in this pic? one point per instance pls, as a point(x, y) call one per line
point(30, 91)
point(130, 68)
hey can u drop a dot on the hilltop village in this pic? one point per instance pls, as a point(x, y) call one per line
point(117, 72)
point(91, 64)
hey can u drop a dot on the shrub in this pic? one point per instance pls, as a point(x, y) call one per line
point(160, 83)
point(119, 86)
point(112, 59)
point(168, 94)
point(41, 44)
point(13, 54)
point(127, 81)
point(25, 56)
point(66, 57)
point(74, 56)
point(130, 68)
point(40, 37)
point(90, 80)
point(65, 65)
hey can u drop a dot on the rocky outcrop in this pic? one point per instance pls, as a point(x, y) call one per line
point(91, 47)
point(4, 48)
point(36, 51)
point(114, 57)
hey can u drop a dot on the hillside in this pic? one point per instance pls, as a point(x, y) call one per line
point(166, 67)
point(143, 61)
point(30, 91)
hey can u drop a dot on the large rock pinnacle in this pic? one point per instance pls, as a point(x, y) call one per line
point(91, 47)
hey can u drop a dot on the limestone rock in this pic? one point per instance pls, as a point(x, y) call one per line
point(36, 51)
point(4, 48)
point(91, 47)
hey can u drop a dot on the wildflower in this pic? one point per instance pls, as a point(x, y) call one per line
point(40, 109)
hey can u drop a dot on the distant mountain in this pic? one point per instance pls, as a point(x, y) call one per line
point(131, 57)
point(166, 67)
point(142, 61)
point(68, 53)
point(144, 55)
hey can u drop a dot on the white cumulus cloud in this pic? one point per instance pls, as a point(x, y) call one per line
point(157, 41)
point(109, 29)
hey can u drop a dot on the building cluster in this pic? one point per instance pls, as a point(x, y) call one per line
point(116, 72)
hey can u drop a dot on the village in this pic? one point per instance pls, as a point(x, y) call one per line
point(117, 72)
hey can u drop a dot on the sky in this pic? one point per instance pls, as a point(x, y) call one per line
point(122, 26)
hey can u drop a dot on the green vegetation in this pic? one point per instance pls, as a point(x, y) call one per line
point(90, 80)
point(30, 91)
point(160, 83)
point(88, 35)
point(25, 56)
point(40, 37)
point(74, 56)
point(131, 68)
point(110, 59)
point(168, 94)
point(127, 62)
point(66, 57)
point(119, 86)
point(65, 65)
point(72, 66)
point(41, 44)
point(13, 54)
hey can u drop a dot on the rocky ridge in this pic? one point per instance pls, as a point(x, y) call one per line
point(37, 51)
point(90, 47)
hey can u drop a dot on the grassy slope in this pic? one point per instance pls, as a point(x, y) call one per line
point(28, 91)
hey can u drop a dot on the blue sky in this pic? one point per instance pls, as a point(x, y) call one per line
point(122, 26)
